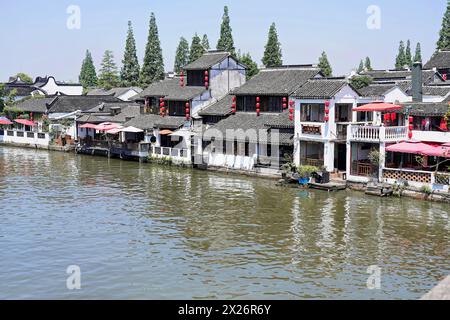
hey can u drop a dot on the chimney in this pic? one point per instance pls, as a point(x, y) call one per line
point(417, 82)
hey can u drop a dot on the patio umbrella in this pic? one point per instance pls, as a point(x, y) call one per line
point(5, 121)
point(25, 122)
point(410, 147)
point(88, 126)
point(377, 107)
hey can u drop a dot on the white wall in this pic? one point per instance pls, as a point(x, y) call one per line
point(127, 95)
point(52, 88)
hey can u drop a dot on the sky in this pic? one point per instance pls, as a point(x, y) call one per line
point(35, 38)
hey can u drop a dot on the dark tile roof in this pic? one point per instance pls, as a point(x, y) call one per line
point(320, 88)
point(37, 105)
point(425, 108)
point(172, 91)
point(207, 60)
point(437, 90)
point(219, 108)
point(440, 60)
point(95, 119)
point(390, 75)
point(277, 81)
point(376, 90)
point(116, 92)
point(66, 104)
point(108, 107)
point(151, 121)
point(127, 113)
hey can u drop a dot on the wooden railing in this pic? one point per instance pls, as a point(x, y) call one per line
point(363, 169)
point(312, 162)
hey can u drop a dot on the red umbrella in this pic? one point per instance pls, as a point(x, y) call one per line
point(377, 107)
point(25, 122)
point(5, 121)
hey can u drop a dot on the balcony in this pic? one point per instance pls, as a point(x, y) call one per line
point(24, 137)
point(376, 133)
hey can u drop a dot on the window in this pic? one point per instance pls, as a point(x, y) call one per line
point(267, 104)
point(177, 108)
point(196, 78)
point(312, 112)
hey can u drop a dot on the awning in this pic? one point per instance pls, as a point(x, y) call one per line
point(131, 130)
point(114, 131)
point(88, 126)
point(420, 148)
point(377, 107)
point(165, 132)
point(5, 121)
point(106, 126)
point(446, 144)
point(25, 122)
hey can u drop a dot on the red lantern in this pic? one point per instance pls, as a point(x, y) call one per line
point(234, 99)
point(393, 117)
point(206, 85)
point(206, 73)
point(410, 135)
point(291, 103)
point(258, 99)
point(411, 119)
point(284, 99)
point(444, 76)
point(291, 117)
point(291, 110)
point(326, 118)
point(327, 111)
point(411, 127)
point(284, 105)
point(206, 79)
point(327, 104)
point(258, 106)
point(258, 112)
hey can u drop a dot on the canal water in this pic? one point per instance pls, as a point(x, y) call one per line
point(142, 231)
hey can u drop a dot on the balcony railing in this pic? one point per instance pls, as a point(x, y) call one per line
point(168, 152)
point(312, 162)
point(25, 137)
point(376, 133)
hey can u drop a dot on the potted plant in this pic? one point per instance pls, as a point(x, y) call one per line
point(305, 173)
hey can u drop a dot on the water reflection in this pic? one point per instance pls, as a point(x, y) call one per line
point(146, 231)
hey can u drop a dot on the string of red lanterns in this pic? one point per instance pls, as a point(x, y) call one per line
point(327, 111)
point(284, 103)
point(411, 127)
point(162, 107)
point(188, 111)
point(182, 79)
point(206, 79)
point(233, 106)
point(291, 110)
point(258, 106)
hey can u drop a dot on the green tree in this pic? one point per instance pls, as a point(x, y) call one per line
point(108, 77)
point(368, 64)
point(182, 55)
point(400, 61)
point(2, 97)
point(129, 74)
point(444, 34)
point(359, 82)
point(153, 67)
point(252, 66)
point(205, 43)
point(360, 67)
point(24, 77)
point(196, 48)
point(88, 75)
point(418, 54)
point(272, 53)
point(408, 55)
point(226, 42)
point(325, 65)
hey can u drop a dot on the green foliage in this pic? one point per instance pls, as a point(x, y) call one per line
point(167, 161)
point(400, 61)
point(196, 49)
point(12, 112)
point(360, 67)
point(272, 54)
point(418, 54)
point(359, 82)
point(2, 96)
point(375, 157)
point(252, 70)
point(408, 55)
point(205, 43)
point(182, 55)
point(153, 67)
point(368, 64)
point(88, 75)
point(447, 117)
point(427, 190)
point(108, 77)
point(307, 171)
point(129, 75)
point(324, 65)
point(24, 77)
point(444, 33)
point(226, 42)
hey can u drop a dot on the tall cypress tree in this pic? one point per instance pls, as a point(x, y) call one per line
point(408, 55)
point(444, 34)
point(226, 41)
point(108, 77)
point(325, 65)
point(205, 43)
point(252, 66)
point(272, 54)
point(418, 54)
point(129, 75)
point(182, 55)
point(360, 67)
point(88, 76)
point(153, 66)
point(400, 61)
point(368, 64)
point(196, 49)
